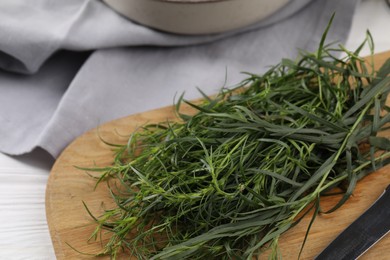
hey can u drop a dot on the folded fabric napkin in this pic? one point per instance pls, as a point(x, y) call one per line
point(68, 66)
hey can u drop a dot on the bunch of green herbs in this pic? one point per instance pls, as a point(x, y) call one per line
point(231, 178)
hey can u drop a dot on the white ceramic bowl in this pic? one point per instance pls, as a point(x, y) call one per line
point(196, 16)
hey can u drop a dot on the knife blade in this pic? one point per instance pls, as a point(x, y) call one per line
point(363, 233)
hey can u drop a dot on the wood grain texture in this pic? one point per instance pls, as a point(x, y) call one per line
point(67, 187)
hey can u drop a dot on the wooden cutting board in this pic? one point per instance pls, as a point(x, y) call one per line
point(67, 187)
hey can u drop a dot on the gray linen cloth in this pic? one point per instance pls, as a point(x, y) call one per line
point(51, 90)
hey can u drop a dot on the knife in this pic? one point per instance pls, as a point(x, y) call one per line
point(363, 233)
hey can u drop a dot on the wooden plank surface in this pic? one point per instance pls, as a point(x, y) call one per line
point(67, 187)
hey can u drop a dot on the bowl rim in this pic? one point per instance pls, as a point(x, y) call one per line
point(192, 15)
point(191, 1)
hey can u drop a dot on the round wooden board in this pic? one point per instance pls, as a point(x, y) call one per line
point(68, 187)
point(71, 226)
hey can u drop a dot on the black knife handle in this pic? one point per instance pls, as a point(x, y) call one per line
point(363, 233)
